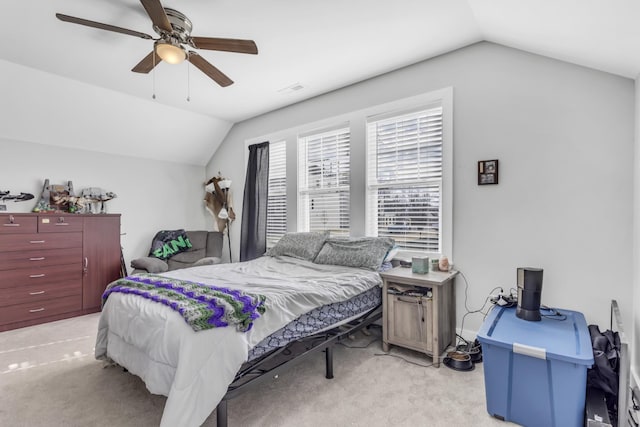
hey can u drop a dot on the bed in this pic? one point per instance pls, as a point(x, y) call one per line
point(200, 370)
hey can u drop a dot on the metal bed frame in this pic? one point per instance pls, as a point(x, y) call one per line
point(279, 360)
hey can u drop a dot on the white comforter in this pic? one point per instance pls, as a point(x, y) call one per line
point(194, 369)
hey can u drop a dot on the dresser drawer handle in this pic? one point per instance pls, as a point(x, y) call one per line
point(40, 258)
point(37, 293)
point(35, 276)
point(36, 241)
point(61, 223)
point(11, 225)
point(35, 310)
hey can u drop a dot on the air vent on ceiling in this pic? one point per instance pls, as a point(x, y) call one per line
point(291, 88)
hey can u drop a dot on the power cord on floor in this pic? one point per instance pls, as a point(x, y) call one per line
point(378, 338)
point(359, 346)
point(466, 306)
point(403, 358)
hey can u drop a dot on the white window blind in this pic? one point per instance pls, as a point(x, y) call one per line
point(323, 181)
point(277, 202)
point(404, 179)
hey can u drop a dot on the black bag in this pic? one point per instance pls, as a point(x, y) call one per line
point(606, 365)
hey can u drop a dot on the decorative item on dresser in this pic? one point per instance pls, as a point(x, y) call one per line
point(54, 266)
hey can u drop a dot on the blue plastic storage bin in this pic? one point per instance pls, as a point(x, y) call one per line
point(535, 373)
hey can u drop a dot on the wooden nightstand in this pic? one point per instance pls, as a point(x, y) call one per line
point(422, 320)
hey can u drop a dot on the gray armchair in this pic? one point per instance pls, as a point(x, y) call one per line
point(206, 249)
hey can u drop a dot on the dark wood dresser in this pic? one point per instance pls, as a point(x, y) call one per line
point(54, 266)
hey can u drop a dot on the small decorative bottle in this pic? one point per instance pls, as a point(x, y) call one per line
point(443, 264)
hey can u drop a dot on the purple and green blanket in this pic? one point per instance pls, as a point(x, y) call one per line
point(202, 306)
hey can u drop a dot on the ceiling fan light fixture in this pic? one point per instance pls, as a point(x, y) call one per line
point(170, 52)
point(174, 31)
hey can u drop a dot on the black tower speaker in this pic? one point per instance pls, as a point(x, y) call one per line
point(529, 293)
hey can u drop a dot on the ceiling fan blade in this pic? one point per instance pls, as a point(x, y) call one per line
point(229, 45)
point(211, 71)
point(101, 26)
point(157, 14)
point(147, 63)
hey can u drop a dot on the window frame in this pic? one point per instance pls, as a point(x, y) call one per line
point(357, 119)
point(274, 235)
point(305, 191)
point(373, 163)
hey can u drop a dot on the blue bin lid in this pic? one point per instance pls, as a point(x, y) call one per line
point(550, 338)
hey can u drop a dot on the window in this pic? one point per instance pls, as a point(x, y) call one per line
point(277, 202)
point(404, 178)
point(323, 181)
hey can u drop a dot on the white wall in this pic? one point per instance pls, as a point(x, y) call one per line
point(564, 138)
point(41, 107)
point(152, 195)
point(61, 129)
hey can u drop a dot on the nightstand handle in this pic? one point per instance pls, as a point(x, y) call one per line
point(413, 300)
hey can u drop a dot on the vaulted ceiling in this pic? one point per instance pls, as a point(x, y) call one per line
point(311, 46)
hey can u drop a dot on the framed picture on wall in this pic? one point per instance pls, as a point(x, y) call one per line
point(487, 172)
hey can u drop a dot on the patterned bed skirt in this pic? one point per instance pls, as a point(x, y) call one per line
point(318, 319)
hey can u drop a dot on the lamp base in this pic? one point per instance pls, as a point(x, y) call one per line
point(525, 314)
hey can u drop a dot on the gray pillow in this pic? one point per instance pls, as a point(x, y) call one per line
point(360, 252)
point(151, 264)
point(303, 245)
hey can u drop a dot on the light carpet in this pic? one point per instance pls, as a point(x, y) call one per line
point(49, 377)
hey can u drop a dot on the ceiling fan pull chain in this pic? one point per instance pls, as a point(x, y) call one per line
point(153, 72)
point(188, 85)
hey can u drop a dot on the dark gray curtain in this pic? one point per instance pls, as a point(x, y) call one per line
point(253, 238)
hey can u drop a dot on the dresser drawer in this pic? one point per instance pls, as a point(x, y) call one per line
point(29, 242)
point(15, 223)
point(40, 258)
point(39, 292)
point(59, 223)
point(40, 276)
point(36, 310)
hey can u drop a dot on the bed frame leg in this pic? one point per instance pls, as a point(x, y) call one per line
point(329, 361)
point(221, 414)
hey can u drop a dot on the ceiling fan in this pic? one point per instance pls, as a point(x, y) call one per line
point(174, 31)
